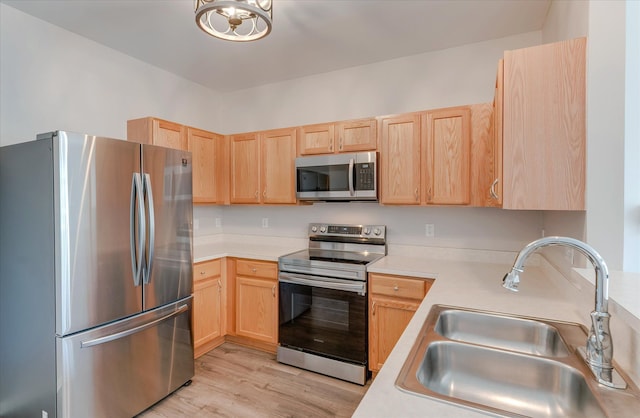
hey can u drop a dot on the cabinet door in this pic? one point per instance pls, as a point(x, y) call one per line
point(357, 135)
point(445, 156)
point(544, 127)
point(278, 149)
point(156, 131)
point(245, 168)
point(400, 159)
point(388, 319)
point(207, 303)
point(169, 134)
point(209, 165)
point(316, 139)
point(256, 309)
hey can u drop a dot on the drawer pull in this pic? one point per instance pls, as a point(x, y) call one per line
point(202, 272)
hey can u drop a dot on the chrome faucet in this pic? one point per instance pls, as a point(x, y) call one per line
point(599, 348)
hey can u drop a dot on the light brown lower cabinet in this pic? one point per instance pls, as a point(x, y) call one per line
point(255, 303)
point(208, 306)
point(392, 302)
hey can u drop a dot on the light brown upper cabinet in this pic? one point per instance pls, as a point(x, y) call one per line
point(400, 149)
point(345, 136)
point(245, 168)
point(262, 167)
point(210, 166)
point(157, 132)
point(425, 157)
point(446, 156)
point(544, 127)
point(278, 152)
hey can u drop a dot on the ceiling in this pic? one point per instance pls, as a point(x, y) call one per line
point(308, 36)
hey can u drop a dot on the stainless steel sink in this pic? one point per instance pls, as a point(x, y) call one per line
point(482, 376)
point(510, 333)
point(509, 366)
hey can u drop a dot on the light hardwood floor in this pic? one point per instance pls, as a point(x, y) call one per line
point(236, 381)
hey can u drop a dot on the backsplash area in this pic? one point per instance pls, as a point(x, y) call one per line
point(453, 227)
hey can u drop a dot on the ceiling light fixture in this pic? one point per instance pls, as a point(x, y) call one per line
point(234, 20)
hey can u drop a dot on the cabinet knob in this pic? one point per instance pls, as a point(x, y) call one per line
point(396, 288)
point(257, 194)
point(253, 269)
point(202, 272)
point(273, 291)
point(415, 192)
point(264, 193)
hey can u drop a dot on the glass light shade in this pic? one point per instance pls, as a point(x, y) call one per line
point(234, 20)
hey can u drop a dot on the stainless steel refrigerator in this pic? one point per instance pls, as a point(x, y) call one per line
point(95, 276)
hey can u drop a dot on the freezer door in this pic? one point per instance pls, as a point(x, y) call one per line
point(94, 183)
point(121, 369)
point(169, 211)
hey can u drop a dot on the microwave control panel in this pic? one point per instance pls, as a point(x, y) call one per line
point(365, 176)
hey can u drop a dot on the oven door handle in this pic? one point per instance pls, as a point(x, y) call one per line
point(324, 282)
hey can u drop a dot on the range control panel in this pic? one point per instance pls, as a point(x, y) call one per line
point(356, 232)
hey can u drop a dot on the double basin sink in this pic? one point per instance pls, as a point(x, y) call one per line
point(508, 365)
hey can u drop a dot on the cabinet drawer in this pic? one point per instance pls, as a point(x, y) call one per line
point(251, 268)
point(399, 286)
point(206, 269)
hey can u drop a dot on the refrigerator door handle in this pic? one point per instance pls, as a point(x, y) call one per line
point(148, 192)
point(136, 243)
point(126, 333)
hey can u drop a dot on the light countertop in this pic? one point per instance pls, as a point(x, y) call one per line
point(466, 284)
point(464, 278)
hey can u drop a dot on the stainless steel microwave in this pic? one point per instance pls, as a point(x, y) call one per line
point(341, 177)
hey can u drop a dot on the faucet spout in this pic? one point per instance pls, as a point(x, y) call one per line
point(599, 346)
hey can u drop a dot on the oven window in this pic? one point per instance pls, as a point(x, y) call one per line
point(326, 178)
point(322, 321)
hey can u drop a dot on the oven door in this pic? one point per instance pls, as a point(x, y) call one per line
point(324, 316)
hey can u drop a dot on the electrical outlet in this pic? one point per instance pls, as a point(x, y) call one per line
point(429, 230)
point(218, 222)
point(265, 222)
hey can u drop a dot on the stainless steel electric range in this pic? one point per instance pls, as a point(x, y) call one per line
point(323, 300)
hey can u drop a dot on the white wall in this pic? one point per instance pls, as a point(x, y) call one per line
point(455, 227)
point(632, 141)
point(53, 79)
point(612, 221)
point(450, 77)
point(605, 130)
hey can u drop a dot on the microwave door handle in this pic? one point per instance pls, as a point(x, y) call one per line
point(351, 188)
